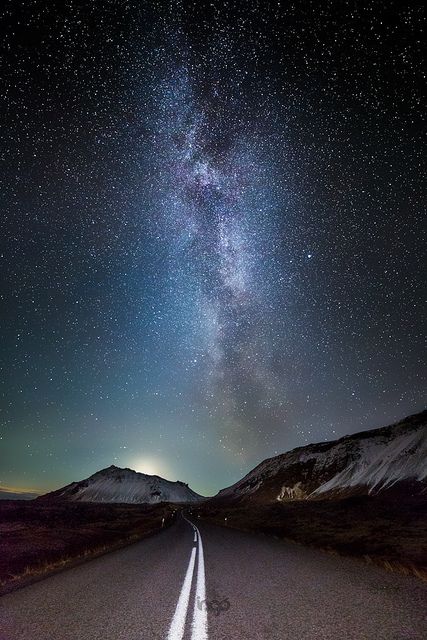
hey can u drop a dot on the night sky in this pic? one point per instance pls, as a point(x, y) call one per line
point(211, 232)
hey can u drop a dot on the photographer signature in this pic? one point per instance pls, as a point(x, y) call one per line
point(214, 606)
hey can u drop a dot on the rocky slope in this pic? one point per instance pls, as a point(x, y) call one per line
point(370, 462)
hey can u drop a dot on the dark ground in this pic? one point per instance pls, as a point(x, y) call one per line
point(37, 537)
point(391, 531)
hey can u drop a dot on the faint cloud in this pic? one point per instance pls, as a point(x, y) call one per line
point(14, 493)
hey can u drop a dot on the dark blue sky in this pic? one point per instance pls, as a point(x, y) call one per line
point(211, 244)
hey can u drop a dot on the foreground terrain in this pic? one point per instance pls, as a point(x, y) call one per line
point(249, 587)
point(388, 530)
point(38, 537)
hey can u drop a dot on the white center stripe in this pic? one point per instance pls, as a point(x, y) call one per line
point(199, 629)
point(200, 614)
point(176, 630)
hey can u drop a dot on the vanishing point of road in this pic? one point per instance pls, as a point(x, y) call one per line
point(197, 581)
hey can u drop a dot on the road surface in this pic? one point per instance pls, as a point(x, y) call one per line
point(213, 583)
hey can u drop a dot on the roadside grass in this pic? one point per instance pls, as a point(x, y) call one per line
point(43, 568)
point(39, 539)
point(388, 533)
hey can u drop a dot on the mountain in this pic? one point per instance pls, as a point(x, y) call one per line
point(370, 462)
point(124, 486)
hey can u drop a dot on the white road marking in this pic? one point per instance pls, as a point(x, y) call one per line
point(200, 614)
point(199, 629)
point(176, 630)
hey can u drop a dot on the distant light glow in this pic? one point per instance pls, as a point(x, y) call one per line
point(150, 466)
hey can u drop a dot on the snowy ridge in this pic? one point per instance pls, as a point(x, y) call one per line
point(125, 486)
point(367, 462)
point(381, 464)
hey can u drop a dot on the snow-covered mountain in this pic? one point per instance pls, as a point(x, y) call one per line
point(124, 486)
point(364, 463)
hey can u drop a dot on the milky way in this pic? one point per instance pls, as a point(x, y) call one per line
point(215, 217)
point(212, 241)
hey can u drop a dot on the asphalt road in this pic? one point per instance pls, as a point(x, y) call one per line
point(217, 584)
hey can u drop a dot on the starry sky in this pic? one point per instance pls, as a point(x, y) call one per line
point(211, 232)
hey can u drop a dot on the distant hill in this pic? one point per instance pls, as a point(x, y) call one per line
point(371, 462)
point(124, 486)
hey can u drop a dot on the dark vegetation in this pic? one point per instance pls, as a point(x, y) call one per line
point(37, 538)
point(386, 530)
